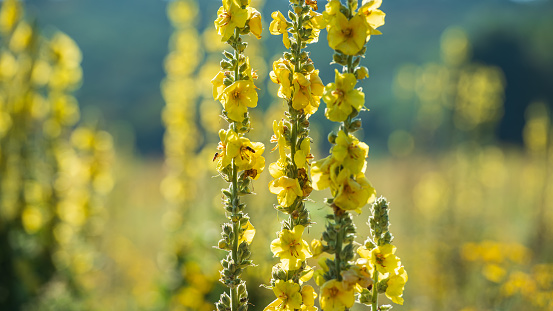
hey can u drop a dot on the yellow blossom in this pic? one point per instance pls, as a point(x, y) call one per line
point(382, 257)
point(247, 234)
point(218, 85)
point(237, 97)
point(281, 75)
point(350, 152)
point(396, 284)
point(373, 16)
point(321, 172)
point(279, 25)
point(254, 21)
point(291, 248)
point(341, 97)
point(334, 297)
point(307, 91)
point(331, 8)
point(355, 277)
point(287, 190)
point(308, 296)
point(288, 296)
point(317, 247)
point(230, 16)
point(347, 36)
point(303, 154)
point(279, 129)
point(353, 194)
point(316, 22)
point(246, 154)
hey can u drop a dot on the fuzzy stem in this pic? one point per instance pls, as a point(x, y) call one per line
point(374, 301)
point(235, 224)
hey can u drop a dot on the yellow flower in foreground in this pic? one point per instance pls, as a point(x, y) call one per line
point(373, 16)
point(303, 154)
point(288, 295)
point(279, 25)
point(341, 97)
point(334, 297)
point(347, 36)
point(331, 8)
point(355, 277)
point(237, 97)
point(353, 194)
point(218, 85)
point(230, 16)
point(291, 248)
point(321, 172)
point(287, 190)
point(281, 75)
point(246, 154)
point(248, 234)
point(254, 21)
point(396, 284)
point(350, 152)
point(308, 296)
point(382, 257)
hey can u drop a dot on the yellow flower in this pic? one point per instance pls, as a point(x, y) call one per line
point(279, 25)
point(303, 154)
point(355, 278)
point(347, 36)
point(288, 295)
point(382, 257)
point(286, 189)
point(246, 154)
point(341, 97)
point(316, 22)
point(247, 234)
point(10, 13)
point(350, 152)
point(307, 91)
point(254, 21)
point(317, 247)
point(322, 172)
point(237, 97)
point(279, 129)
point(291, 248)
point(353, 194)
point(218, 85)
point(373, 16)
point(281, 75)
point(230, 16)
point(331, 8)
point(396, 284)
point(308, 296)
point(334, 297)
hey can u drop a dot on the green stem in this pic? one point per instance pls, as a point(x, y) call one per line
point(375, 290)
point(338, 251)
point(234, 290)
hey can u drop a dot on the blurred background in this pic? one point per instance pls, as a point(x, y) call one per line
point(108, 198)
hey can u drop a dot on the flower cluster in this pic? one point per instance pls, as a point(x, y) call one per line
point(302, 89)
point(377, 270)
point(238, 159)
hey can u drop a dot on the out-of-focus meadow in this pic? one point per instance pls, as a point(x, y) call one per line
point(109, 198)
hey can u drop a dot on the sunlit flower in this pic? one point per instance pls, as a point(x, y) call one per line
point(352, 193)
point(302, 155)
point(373, 16)
point(308, 296)
point(331, 8)
point(237, 97)
point(291, 248)
point(341, 97)
point(316, 22)
point(355, 278)
point(248, 233)
point(287, 190)
point(246, 154)
point(288, 296)
point(334, 297)
point(254, 21)
point(218, 85)
point(281, 75)
point(278, 26)
point(396, 284)
point(350, 152)
point(321, 173)
point(382, 257)
point(347, 36)
point(230, 16)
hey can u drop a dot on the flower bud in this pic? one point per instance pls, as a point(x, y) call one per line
point(316, 247)
point(361, 73)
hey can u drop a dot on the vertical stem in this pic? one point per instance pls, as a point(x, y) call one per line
point(374, 304)
point(338, 252)
point(234, 290)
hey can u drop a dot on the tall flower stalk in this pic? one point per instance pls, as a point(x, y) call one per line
point(349, 28)
point(301, 87)
point(238, 159)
